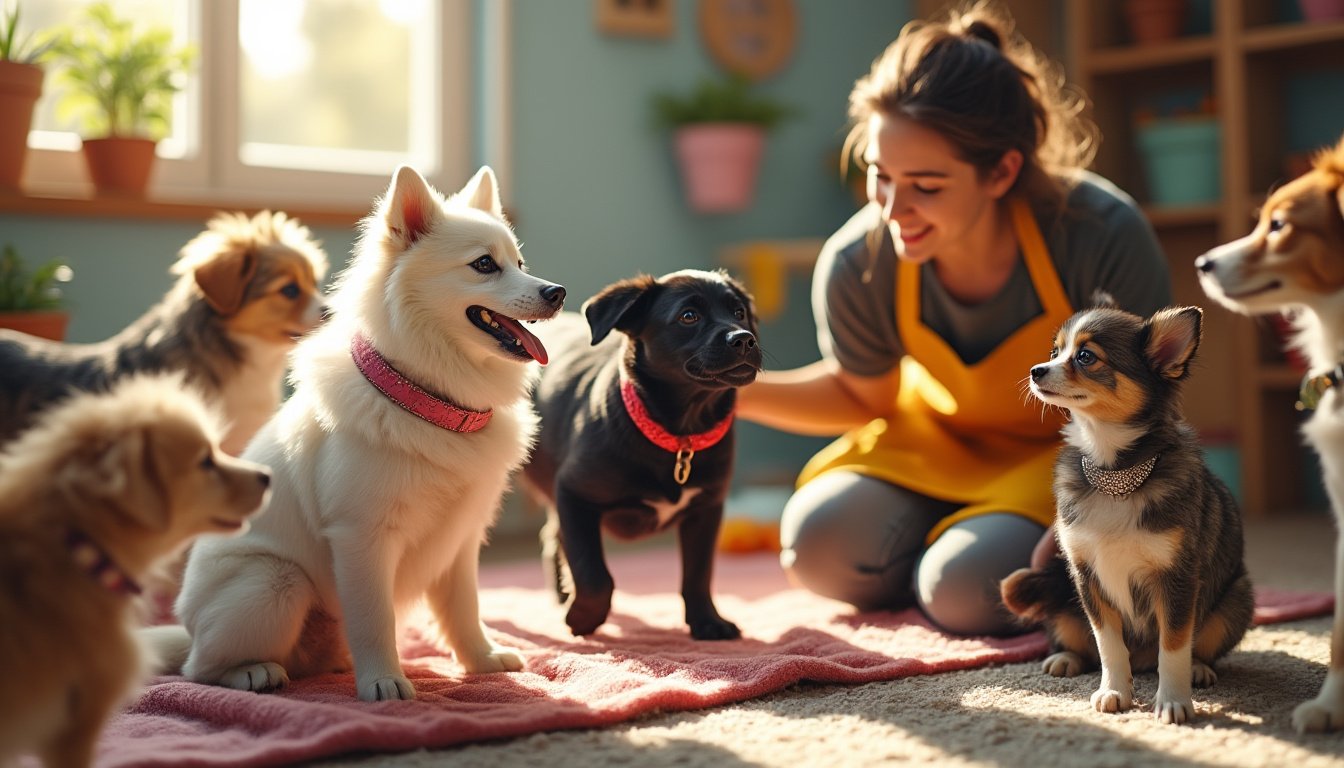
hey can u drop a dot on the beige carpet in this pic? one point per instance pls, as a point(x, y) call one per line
point(1004, 716)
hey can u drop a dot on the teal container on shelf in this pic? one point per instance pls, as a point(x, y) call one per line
point(1180, 156)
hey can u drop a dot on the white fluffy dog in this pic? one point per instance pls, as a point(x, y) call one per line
point(409, 413)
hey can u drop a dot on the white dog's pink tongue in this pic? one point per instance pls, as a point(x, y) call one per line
point(530, 343)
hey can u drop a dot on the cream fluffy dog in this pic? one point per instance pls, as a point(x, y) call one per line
point(98, 491)
point(377, 501)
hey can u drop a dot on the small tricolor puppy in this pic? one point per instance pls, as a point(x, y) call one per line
point(1152, 538)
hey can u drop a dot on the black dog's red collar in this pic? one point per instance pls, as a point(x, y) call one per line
point(408, 395)
point(95, 561)
point(684, 446)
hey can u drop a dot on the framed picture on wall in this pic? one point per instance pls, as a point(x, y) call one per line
point(635, 18)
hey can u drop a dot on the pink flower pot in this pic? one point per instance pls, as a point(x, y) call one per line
point(719, 162)
point(1322, 10)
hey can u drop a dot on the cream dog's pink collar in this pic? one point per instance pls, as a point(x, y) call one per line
point(408, 395)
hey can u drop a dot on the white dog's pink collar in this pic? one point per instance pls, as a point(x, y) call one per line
point(408, 395)
point(684, 446)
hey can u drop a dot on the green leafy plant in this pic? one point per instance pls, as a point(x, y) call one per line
point(722, 100)
point(118, 80)
point(23, 50)
point(23, 290)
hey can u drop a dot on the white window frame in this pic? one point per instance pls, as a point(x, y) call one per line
point(212, 170)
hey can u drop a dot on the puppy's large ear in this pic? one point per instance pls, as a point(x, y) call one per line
point(482, 192)
point(620, 306)
point(1103, 300)
point(224, 278)
point(123, 474)
point(410, 209)
point(1173, 339)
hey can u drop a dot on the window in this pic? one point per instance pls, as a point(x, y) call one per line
point(292, 101)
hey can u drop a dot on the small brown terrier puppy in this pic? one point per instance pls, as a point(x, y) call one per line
point(99, 490)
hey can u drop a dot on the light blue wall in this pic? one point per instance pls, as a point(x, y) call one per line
point(594, 188)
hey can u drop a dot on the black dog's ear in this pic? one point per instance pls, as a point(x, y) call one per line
point(620, 306)
point(1103, 300)
point(1173, 339)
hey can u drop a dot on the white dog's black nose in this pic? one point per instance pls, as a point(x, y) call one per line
point(1204, 264)
point(1038, 372)
point(554, 294)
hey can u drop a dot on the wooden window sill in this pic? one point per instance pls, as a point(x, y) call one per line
point(149, 208)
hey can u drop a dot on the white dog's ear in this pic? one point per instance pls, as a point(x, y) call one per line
point(482, 192)
point(410, 208)
point(619, 307)
point(1173, 338)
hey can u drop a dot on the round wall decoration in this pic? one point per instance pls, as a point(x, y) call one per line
point(752, 37)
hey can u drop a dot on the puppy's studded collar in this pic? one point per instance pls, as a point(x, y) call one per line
point(684, 446)
point(1118, 482)
point(95, 561)
point(408, 395)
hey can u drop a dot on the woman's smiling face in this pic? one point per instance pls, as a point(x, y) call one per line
point(933, 201)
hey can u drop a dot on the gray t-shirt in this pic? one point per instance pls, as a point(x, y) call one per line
point(1100, 241)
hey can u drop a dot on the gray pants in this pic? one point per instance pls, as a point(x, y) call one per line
point(861, 540)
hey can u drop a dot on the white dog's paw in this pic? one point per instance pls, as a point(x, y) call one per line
point(1318, 716)
point(1111, 700)
point(497, 660)
point(265, 676)
point(1173, 710)
point(1063, 664)
point(1201, 674)
point(385, 688)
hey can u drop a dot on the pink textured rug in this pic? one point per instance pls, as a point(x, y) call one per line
point(641, 662)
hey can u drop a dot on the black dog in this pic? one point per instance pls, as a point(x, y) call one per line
point(636, 433)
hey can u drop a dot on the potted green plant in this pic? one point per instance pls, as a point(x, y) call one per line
point(31, 300)
point(719, 131)
point(20, 88)
point(118, 82)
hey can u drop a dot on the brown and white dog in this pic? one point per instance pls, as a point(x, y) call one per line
point(1293, 262)
point(249, 287)
point(1153, 539)
point(99, 490)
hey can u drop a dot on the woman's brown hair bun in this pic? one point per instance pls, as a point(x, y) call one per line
point(981, 30)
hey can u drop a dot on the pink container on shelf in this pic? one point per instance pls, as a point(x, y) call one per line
point(1322, 10)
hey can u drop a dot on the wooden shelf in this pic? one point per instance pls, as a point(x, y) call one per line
point(1171, 217)
point(1244, 64)
point(1287, 36)
point(1279, 377)
point(1125, 59)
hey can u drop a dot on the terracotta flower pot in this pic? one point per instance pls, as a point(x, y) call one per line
point(20, 87)
point(1153, 21)
point(119, 165)
point(719, 162)
point(48, 324)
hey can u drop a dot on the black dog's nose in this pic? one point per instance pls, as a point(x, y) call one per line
point(554, 294)
point(742, 341)
point(1204, 264)
point(1038, 372)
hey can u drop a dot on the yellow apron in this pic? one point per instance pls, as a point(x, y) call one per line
point(966, 434)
